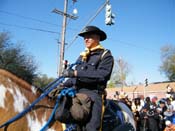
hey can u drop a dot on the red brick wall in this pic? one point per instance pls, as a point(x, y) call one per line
point(158, 90)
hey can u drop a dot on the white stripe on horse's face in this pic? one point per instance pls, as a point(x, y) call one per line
point(2, 96)
point(20, 101)
point(15, 98)
point(19, 104)
point(35, 125)
point(34, 89)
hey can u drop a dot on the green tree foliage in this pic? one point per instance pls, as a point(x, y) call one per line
point(42, 80)
point(15, 60)
point(168, 61)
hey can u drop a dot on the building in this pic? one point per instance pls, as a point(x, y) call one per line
point(158, 89)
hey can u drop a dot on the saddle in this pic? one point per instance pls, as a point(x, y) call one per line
point(115, 117)
point(74, 110)
point(77, 110)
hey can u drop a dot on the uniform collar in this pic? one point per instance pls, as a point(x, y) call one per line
point(87, 51)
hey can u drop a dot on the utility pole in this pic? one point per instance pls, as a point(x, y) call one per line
point(62, 47)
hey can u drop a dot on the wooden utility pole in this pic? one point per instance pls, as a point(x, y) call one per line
point(62, 47)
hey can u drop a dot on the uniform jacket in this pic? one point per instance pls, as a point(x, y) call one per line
point(93, 73)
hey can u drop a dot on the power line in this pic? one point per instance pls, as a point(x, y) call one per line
point(136, 46)
point(123, 42)
point(48, 31)
point(90, 20)
point(30, 28)
point(26, 17)
point(75, 37)
point(33, 19)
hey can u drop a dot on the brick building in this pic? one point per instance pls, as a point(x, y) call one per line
point(158, 89)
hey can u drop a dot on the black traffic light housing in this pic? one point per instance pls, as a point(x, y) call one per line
point(146, 82)
point(109, 16)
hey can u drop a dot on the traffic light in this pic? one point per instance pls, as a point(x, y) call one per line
point(146, 82)
point(109, 16)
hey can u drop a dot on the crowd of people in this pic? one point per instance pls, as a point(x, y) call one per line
point(151, 113)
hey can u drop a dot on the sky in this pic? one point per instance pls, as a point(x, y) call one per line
point(141, 29)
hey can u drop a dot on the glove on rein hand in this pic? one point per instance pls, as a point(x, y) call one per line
point(54, 93)
point(68, 73)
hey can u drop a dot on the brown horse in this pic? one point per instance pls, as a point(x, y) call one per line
point(15, 96)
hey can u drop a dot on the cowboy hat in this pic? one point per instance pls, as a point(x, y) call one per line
point(93, 30)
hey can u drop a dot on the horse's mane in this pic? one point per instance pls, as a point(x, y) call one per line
point(14, 78)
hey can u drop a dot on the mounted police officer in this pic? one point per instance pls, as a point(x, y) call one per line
point(91, 76)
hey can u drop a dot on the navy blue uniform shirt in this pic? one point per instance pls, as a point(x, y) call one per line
point(95, 72)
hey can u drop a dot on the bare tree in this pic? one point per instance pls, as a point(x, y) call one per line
point(168, 61)
point(120, 72)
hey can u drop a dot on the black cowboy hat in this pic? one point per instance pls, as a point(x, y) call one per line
point(93, 30)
